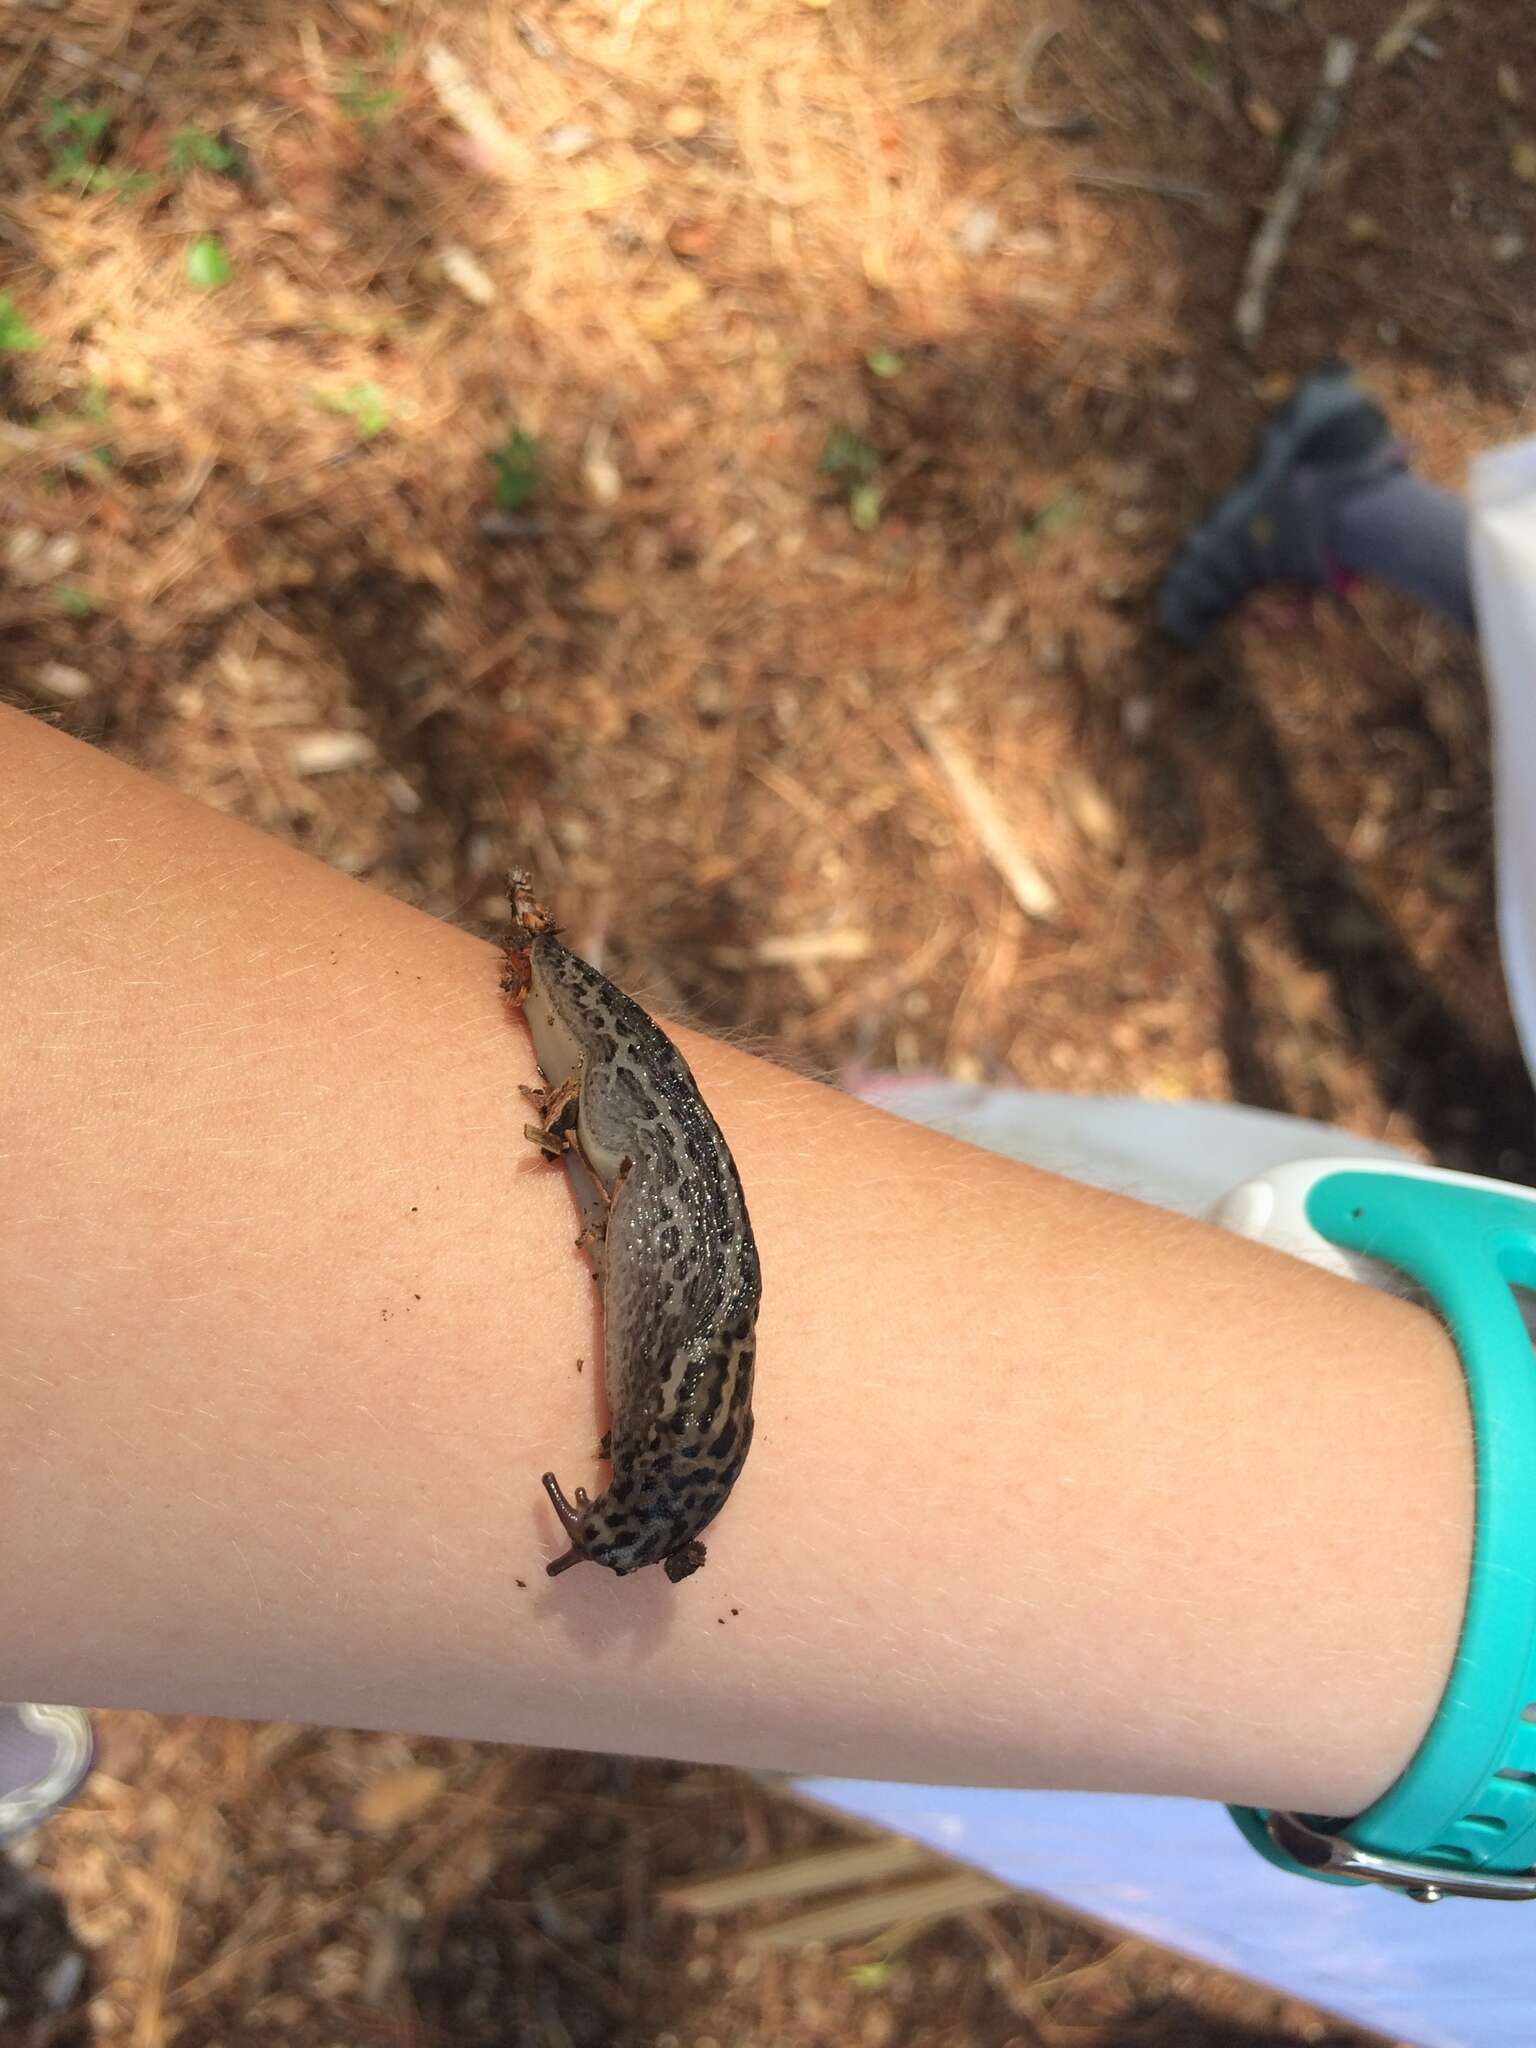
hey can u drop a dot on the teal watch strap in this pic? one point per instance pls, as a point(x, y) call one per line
point(1464, 1811)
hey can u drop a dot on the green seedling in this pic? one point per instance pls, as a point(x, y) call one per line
point(194, 149)
point(845, 455)
point(1056, 516)
point(366, 105)
point(864, 506)
point(364, 404)
point(208, 266)
point(77, 138)
point(16, 337)
point(870, 1976)
point(518, 466)
point(856, 465)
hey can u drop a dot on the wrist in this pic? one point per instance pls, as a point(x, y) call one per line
point(1459, 1817)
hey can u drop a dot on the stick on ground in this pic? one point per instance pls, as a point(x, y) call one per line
point(1280, 215)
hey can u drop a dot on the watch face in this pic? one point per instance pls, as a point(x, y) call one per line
point(45, 1753)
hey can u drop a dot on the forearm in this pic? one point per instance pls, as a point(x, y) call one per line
point(1048, 1487)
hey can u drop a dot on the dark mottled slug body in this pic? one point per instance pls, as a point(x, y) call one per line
point(667, 1230)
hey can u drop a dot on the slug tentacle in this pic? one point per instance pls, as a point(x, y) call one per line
point(665, 1223)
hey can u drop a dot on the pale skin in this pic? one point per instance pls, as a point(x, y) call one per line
point(1049, 1488)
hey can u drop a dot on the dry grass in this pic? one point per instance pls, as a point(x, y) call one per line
point(681, 245)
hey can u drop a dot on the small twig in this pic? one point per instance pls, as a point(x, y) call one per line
point(869, 1913)
point(1094, 178)
point(538, 41)
point(1032, 119)
point(800, 1877)
point(1281, 214)
point(470, 108)
point(1400, 34)
point(86, 60)
point(1020, 873)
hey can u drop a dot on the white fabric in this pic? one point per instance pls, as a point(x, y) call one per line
point(1180, 1155)
point(1503, 499)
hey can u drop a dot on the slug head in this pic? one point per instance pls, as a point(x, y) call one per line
point(606, 1531)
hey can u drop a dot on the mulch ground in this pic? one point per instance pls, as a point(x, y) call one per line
point(720, 455)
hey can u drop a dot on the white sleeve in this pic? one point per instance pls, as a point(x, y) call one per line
point(1503, 541)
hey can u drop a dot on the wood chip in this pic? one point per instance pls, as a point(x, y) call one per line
point(326, 753)
point(469, 107)
point(798, 949)
point(1398, 35)
point(1090, 809)
point(58, 680)
point(399, 1796)
point(568, 140)
point(684, 122)
point(1023, 877)
point(34, 557)
point(875, 262)
point(464, 273)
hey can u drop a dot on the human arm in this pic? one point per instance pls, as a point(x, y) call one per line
point(1049, 1487)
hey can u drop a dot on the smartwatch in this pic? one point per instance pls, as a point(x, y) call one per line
point(1461, 1820)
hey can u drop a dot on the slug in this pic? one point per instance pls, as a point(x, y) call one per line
point(665, 1225)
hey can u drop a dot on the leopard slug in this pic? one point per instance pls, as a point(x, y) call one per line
point(665, 1225)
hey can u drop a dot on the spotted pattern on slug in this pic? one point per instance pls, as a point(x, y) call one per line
point(665, 1225)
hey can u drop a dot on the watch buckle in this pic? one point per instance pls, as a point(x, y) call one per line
point(1411, 1875)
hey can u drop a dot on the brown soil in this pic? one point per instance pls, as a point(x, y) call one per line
point(704, 685)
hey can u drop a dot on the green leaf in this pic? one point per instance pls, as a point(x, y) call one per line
point(83, 124)
point(79, 604)
point(846, 455)
point(1058, 513)
point(885, 362)
point(77, 133)
point(359, 103)
point(16, 337)
point(364, 403)
point(195, 149)
point(1056, 516)
point(870, 1976)
point(208, 266)
point(864, 503)
point(519, 467)
point(71, 165)
point(121, 184)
